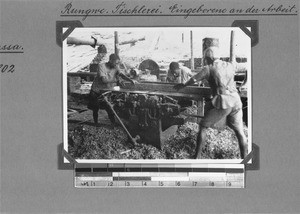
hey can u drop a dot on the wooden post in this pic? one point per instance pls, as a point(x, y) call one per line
point(116, 43)
point(192, 52)
point(232, 47)
point(182, 37)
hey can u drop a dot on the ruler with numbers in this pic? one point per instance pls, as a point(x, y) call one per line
point(143, 176)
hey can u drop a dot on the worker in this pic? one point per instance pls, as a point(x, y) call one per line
point(98, 58)
point(108, 76)
point(226, 102)
point(178, 73)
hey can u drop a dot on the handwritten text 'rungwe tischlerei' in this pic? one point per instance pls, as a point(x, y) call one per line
point(175, 9)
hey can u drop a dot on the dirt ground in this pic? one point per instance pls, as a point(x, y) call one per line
point(104, 141)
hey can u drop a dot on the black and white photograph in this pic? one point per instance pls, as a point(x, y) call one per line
point(130, 107)
point(157, 94)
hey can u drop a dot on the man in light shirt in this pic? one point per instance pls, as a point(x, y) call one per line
point(226, 102)
point(178, 74)
point(108, 76)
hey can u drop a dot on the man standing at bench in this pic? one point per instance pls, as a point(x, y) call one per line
point(98, 58)
point(177, 73)
point(226, 102)
point(108, 75)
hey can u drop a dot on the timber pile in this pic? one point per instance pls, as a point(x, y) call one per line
point(79, 57)
point(134, 48)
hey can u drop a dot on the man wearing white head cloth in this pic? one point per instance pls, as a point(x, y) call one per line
point(226, 102)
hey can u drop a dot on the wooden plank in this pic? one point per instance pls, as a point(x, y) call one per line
point(159, 88)
point(171, 94)
point(132, 41)
point(82, 74)
point(81, 41)
point(169, 88)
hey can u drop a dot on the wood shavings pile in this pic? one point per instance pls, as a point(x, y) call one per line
point(107, 142)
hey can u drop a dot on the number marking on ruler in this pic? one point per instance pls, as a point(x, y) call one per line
point(199, 179)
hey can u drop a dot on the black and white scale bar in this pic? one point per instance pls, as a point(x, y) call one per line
point(166, 169)
point(165, 182)
point(219, 176)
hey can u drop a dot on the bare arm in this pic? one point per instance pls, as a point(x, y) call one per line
point(106, 80)
point(103, 76)
point(202, 74)
point(124, 77)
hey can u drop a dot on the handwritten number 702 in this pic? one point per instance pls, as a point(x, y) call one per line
point(7, 68)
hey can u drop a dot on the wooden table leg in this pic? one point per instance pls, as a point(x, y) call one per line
point(200, 108)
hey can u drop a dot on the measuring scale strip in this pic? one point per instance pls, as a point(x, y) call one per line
point(201, 175)
point(161, 170)
point(190, 180)
point(201, 184)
